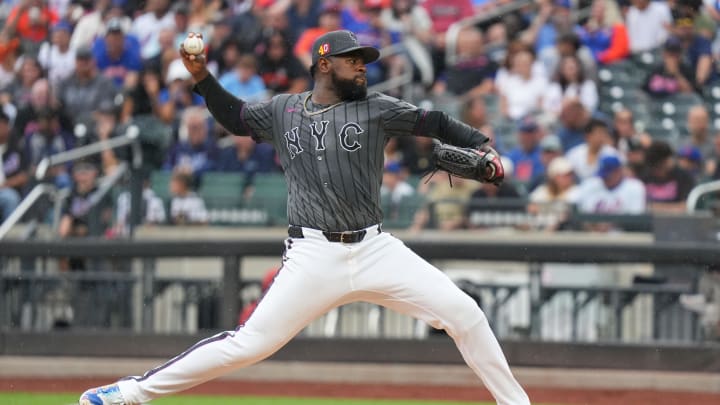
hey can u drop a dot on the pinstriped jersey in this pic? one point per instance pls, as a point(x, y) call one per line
point(333, 160)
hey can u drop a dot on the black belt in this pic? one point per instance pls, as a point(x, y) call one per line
point(295, 231)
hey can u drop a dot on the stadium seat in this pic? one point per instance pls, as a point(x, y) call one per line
point(160, 184)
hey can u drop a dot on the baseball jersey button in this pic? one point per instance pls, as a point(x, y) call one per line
point(319, 157)
point(325, 184)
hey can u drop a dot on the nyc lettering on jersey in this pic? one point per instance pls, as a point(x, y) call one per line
point(347, 137)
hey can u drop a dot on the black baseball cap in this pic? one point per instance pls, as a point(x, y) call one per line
point(340, 42)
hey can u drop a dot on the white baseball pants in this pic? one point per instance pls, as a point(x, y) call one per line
point(317, 276)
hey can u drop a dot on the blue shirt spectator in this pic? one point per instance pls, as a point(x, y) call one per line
point(244, 82)
point(244, 155)
point(117, 54)
point(196, 152)
point(526, 156)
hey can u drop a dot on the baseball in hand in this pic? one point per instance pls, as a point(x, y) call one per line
point(193, 44)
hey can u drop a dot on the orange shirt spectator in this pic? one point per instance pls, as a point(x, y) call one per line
point(31, 22)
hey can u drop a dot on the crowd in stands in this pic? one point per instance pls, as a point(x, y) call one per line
point(542, 81)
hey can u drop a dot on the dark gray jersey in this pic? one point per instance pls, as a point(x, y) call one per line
point(333, 160)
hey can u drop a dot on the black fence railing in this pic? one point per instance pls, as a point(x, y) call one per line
point(33, 296)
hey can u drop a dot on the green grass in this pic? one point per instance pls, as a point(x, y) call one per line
point(65, 399)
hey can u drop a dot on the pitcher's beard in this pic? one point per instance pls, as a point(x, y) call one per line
point(348, 89)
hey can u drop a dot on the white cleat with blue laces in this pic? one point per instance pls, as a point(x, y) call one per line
point(105, 395)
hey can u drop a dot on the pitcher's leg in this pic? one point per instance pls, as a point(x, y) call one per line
point(305, 288)
point(399, 279)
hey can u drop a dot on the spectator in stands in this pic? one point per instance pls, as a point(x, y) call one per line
point(85, 213)
point(170, 40)
point(85, 89)
point(672, 76)
point(411, 20)
point(118, 55)
point(366, 22)
point(443, 13)
point(29, 20)
point(696, 52)
point(568, 44)
point(302, 15)
point(526, 155)
point(474, 71)
point(522, 91)
point(551, 200)
point(573, 119)
point(445, 206)
point(92, 26)
point(144, 98)
point(186, 207)
point(505, 70)
point(41, 98)
point(611, 192)
point(245, 156)
point(667, 185)
point(647, 24)
point(147, 26)
point(200, 15)
point(625, 136)
point(57, 58)
point(329, 20)
point(243, 81)
point(586, 156)
point(474, 113)
point(689, 159)
point(553, 18)
point(280, 70)
point(9, 54)
point(394, 189)
point(698, 130)
point(195, 152)
point(570, 81)
point(177, 95)
point(152, 210)
point(550, 148)
point(13, 171)
point(605, 32)
point(29, 72)
point(414, 153)
point(43, 139)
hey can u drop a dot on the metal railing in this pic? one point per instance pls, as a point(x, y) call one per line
point(698, 191)
point(130, 138)
point(134, 265)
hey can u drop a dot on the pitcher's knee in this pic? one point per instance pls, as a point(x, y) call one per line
point(465, 314)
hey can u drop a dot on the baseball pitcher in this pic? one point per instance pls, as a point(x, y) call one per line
point(330, 142)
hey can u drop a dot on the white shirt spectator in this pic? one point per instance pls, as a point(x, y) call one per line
point(523, 96)
point(154, 208)
point(147, 28)
point(191, 208)
point(90, 27)
point(627, 198)
point(578, 157)
point(538, 69)
point(59, 65)
point(646, 28)
point(586, 92)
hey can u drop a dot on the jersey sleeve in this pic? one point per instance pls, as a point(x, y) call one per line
point(399, 117)
point(258, 119)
